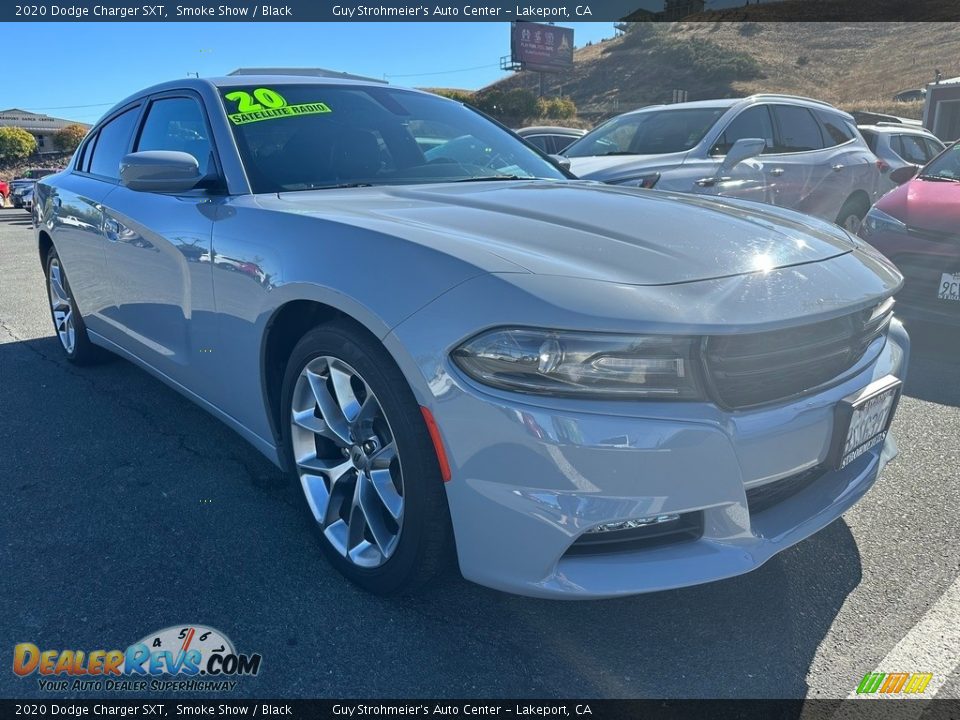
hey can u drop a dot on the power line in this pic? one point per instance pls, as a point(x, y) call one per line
point(68, 107)
point(443, 72)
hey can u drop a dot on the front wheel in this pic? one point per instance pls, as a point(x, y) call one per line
point(851, 215)
point(364, 459)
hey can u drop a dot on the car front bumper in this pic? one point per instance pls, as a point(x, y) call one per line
point(927, 261)
point(530, 478)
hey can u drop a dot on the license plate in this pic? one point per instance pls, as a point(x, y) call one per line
point(863, 420)
point(949, 288)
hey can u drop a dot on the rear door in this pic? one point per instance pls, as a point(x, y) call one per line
point(797, 167)
point(76, 210)
point(158, 247)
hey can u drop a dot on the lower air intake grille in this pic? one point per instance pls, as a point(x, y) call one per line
point(766, 496)
point(688, 526)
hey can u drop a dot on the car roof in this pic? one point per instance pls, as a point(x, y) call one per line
point(553, 129)
point(892, 128)
point(205, 83)
point(750, 100)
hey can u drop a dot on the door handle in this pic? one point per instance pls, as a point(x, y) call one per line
point(111, 229)
point(777, 172)
point(837, 168)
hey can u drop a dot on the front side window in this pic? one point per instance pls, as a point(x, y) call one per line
point(113, 142)
point(799, 130)
point(934, 147)
point(911, 148)
point(945, 167)
point(301, 137)
point(648, 133)
point(751, 123)
point(177, 124)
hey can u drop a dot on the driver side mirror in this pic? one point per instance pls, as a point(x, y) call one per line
point(164, 171)
point(742, 149)
point(904, 174)
point(562, 161)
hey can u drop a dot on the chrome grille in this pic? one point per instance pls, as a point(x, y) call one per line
point(759, 368)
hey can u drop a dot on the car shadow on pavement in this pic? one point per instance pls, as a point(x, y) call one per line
point(934, 363)
point(153, 513)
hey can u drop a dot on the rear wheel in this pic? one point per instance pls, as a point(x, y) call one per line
point(67, 321)
point(852, 214)
point(364, 460)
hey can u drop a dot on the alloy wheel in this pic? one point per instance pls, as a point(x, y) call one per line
point(347, 461)
point(61, 305)
point(852, 224)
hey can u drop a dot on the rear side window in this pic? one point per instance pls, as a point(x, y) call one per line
point(177, 124)
point(751, 123)
point(912, 149)
point(799, 130)
point(871, 138)
point(837, 131)
point(540, 141)
point(113, 142)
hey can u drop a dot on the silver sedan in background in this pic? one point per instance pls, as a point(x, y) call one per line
point(577, 390)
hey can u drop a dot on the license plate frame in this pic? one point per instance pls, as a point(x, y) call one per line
point(860, 407)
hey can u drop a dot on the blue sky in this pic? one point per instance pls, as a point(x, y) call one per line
point(97, 64)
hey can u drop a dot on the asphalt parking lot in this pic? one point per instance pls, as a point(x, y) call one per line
point(127, 509)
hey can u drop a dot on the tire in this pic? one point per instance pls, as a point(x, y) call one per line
point(852, 213)
point(355, 516)
point(72, 333)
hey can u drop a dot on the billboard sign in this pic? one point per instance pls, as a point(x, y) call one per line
point(546, 48)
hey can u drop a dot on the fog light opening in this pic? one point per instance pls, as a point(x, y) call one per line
point(634, 523)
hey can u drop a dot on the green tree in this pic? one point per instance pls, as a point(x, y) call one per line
point(67, 139)
point(16, 143)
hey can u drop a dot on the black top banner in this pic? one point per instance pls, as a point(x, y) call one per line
point(482, 10)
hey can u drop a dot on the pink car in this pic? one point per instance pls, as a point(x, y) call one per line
point(917, 226)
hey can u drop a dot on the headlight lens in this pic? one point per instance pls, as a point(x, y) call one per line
point(878, 221)
point(550, 362)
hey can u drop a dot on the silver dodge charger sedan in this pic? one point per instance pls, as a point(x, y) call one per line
point(576, 390)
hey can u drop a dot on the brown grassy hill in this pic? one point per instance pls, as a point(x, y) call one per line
point(837, 10)
point(854, 65)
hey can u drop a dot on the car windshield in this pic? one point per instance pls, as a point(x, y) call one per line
point(302, 137)
point(944, 167)
point(648, 133)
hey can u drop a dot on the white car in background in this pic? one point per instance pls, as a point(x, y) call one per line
point(784, 150)
point(898, 145)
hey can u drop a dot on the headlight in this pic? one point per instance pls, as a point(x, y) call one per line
point(641, 181)
point(551, 362)
point(878, 221)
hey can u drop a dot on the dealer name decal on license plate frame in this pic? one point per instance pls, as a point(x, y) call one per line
point(863, 419)
point(949, 288)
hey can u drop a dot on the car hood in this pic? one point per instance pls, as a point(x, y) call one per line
point(617, 168)
point(583, 230)
point(925, 204)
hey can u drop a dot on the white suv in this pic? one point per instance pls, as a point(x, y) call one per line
point(789, 151)
point(897, 144)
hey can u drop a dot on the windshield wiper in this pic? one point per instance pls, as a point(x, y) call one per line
point(337, 186)
point(938, 178)
point(487, 178)
point(620, 152)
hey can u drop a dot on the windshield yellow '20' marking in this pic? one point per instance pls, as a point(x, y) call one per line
point(267, 104)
